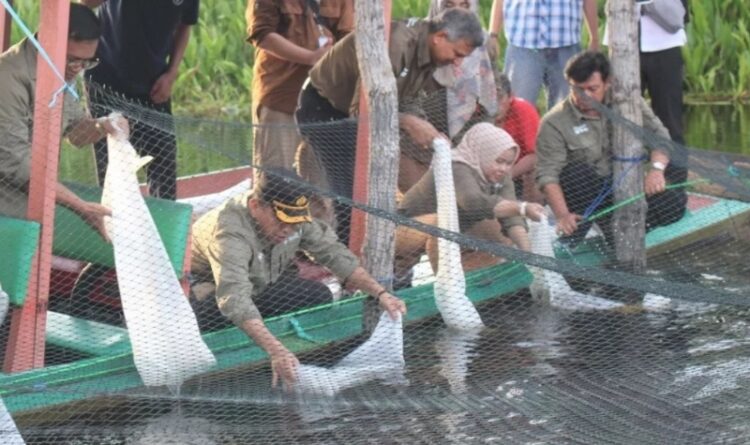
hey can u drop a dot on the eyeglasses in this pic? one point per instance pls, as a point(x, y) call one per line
point(83, 63)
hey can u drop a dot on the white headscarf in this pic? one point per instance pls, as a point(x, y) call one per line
point(468, 84)
point(482, 145)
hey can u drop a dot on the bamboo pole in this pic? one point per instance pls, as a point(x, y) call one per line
point(629, 221)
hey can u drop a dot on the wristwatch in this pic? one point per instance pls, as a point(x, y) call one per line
point(658, 166)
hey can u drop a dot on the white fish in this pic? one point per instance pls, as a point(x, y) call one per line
point(164, 334)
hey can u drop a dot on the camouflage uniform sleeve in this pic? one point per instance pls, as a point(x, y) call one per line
point(229, 255)
point(320, 243)
point(15, 143)
point(551, 154)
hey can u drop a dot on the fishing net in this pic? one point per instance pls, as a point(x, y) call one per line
point(559, 342)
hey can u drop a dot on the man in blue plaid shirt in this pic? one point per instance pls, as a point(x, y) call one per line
point(542, 35)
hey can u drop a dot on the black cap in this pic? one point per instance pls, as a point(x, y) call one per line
point(283, 190)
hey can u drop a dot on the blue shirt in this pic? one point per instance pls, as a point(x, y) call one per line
point(540, 24)
point(137, 37)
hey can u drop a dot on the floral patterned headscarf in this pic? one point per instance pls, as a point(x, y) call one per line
point(466, 85)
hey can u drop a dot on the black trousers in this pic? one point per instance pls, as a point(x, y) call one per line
point(581, 185)
point(661, 76)
point(287, 294)
point(148, 140)
point(333, 138)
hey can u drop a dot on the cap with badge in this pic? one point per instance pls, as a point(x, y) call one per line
point(283, 190)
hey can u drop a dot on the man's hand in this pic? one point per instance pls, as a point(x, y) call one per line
point(655, 182)
point(161, 91)
point(393, 305)
point(93, 213)
point(320, 52)
point(534, 211)
point(421, 132)
point(284, 367)
point(116, 125)
point(568, 223)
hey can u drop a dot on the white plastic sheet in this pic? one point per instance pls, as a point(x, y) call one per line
point(202, 204)
point(551, 286)
point(9, 434)
point(456, 350)
point(457, 310)
point(164, 334)
point(381, 357)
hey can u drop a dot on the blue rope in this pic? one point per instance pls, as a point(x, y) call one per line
point(606, 189)
point(30, 35)
point(300, 331)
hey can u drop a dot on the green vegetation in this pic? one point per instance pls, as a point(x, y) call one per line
point(717, 57)
point(215, 79)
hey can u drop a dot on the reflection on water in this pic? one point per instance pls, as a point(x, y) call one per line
point(718, 127)
point(678, 372)
point(536, 374)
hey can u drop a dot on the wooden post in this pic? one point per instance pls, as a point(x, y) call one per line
point(362, 177)
point(25, 348)
point(380, 126)
point(629, 221)
point(5, 24)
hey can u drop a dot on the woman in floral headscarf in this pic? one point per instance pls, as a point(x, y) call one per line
point(487, 206)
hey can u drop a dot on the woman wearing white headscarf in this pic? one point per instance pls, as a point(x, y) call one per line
point(487, 206)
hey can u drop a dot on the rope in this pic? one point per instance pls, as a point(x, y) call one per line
point(634, 198)
point(30, 35)
point(605, 191)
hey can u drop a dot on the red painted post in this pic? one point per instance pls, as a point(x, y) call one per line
point(26, 341)
point(362, 162)
point(5, 23)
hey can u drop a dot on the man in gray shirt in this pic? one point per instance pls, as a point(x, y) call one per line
point(574, 153)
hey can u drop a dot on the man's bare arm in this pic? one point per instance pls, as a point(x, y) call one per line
point(283, 363)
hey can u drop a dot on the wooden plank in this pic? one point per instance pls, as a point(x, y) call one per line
point(89, 337)
point(707, 216)
point(25, 347)
point(214, 182)
point(701, 223)
point(20, 239)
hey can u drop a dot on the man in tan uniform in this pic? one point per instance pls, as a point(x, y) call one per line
point(246, 247)
point(17, 87)
point(289, 36)
point(574, 155)
point(416, 48)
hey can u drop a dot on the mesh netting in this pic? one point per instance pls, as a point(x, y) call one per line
point(512, 334)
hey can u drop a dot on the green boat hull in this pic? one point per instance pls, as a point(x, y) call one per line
point(302, 331)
